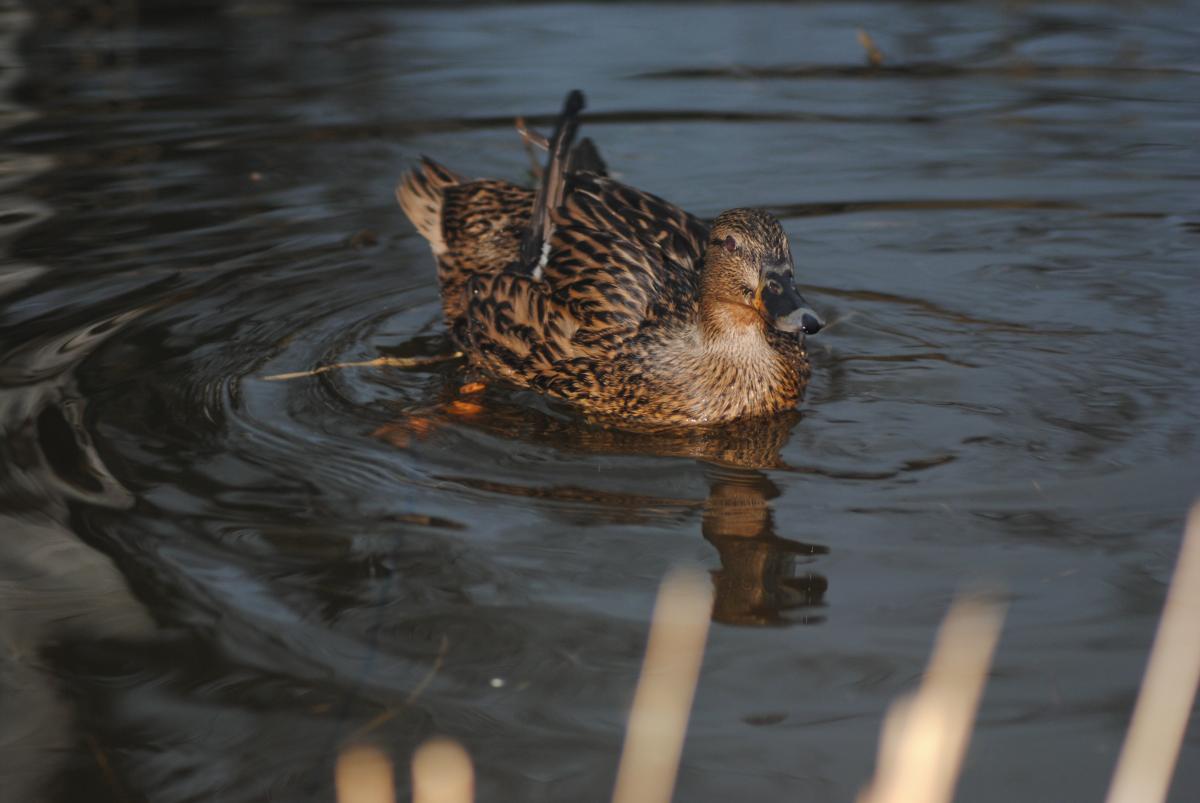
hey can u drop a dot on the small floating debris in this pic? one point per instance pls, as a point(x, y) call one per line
point(363, 238)
point(874, 54)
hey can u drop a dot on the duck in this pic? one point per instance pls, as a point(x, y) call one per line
point(594, 293)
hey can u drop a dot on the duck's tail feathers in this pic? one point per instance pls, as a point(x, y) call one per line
point(420, 195)
point(549, 196)
point(585, 158)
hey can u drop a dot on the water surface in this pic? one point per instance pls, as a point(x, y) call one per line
point(210, 581)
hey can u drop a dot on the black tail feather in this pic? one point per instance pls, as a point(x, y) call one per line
point(585, 158)
point(550, 193)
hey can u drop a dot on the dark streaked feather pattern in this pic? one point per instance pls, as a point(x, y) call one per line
point(612, 324)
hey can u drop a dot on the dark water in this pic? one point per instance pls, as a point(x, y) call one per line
point(209, 582)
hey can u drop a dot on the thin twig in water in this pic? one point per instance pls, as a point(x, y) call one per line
point(1147, 761)
point(389, 362)
point(384, 716)
point(443, 648)
point(663, 701)
point(925, 736)
point(106, 768)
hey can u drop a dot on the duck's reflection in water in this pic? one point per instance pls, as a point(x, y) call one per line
point(762, 579)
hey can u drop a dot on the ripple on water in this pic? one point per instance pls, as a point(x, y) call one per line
point(1003, 249)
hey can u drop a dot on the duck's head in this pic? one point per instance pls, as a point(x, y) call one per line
point(748, 263)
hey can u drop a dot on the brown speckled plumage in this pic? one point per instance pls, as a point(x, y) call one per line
point(638, 312)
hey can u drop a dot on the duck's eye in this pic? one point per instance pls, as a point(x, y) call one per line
point(773, 286)
point(730, 244)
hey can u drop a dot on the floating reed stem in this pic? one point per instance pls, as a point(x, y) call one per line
point(388, 362)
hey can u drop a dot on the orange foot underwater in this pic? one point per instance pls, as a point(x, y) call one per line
point(401, 432)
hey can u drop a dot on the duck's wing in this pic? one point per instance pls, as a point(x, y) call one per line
point(615, 257)
point(575, 191)
point(618, 259)
point(668, 235)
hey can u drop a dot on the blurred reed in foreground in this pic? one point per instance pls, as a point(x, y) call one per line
point(1160, 717)
point(925, 735)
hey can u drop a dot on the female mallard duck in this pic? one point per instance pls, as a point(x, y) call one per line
point(611, 298)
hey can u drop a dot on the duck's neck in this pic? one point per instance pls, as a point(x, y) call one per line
point(731, 327)
point(722, 313)
point(721, 321)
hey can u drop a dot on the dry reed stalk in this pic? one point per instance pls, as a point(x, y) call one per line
point(442, 773)
point(532, 140)
point(390, 362)
point(663, 700)
point(364, 775)
point(925, 736)
point(1147, 761)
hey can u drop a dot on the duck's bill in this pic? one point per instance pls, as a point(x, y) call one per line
point(787, 310)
